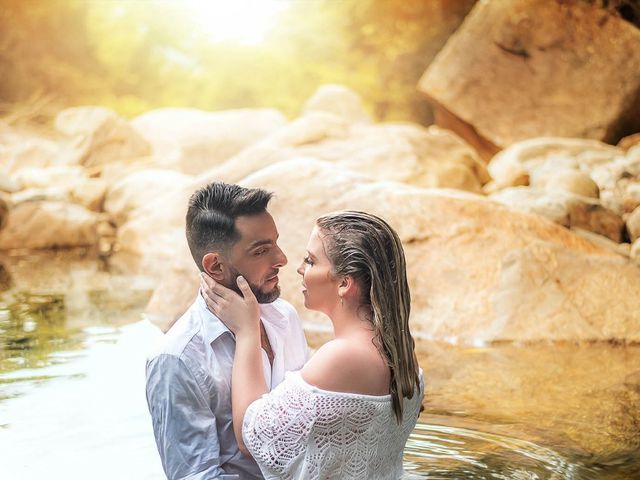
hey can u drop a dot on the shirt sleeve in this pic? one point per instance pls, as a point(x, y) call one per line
point(276, 427)
point(183, 423)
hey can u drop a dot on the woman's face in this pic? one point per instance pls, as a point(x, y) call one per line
point(320, 287)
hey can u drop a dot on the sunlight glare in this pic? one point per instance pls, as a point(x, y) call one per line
point(244, 21)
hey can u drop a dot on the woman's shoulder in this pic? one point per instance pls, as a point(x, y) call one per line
point(343, 365)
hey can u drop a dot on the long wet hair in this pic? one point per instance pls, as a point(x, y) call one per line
point(366, 248)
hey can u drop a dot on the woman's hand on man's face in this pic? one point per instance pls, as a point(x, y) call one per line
point(239, 313)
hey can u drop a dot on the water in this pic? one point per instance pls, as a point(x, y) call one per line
point(72, 350)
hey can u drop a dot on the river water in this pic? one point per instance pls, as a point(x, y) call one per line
point(73, 344)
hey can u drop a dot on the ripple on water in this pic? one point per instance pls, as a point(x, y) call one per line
point(436, 451)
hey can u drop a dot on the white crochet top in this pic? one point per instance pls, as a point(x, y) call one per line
point(298, 431)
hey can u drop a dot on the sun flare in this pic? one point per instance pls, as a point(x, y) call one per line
point(243, 21)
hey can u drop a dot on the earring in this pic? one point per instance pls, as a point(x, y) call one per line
point(341, 301)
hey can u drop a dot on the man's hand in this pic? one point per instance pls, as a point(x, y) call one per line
point(239, 313)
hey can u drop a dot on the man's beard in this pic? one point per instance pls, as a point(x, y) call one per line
point(261, 297)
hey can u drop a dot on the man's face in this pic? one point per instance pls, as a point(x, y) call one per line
point(256, 256)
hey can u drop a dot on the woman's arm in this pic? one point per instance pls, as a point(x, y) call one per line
point(241, 315)
point(247, 380)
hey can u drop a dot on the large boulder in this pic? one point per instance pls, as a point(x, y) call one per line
point(478, 271)
point(139, 189)
point(35, 223)
point(426, 157)
point(98, 136)
point(530, 68)
point(193, 141)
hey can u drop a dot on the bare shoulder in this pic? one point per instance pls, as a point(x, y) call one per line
point(348, 366)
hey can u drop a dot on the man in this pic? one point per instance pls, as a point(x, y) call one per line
point(230, 233)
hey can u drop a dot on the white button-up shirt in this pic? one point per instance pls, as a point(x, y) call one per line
point(189, 389)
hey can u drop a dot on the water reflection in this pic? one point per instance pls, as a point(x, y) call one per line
point(72, 350)
point(32, 329)
point(52, 307)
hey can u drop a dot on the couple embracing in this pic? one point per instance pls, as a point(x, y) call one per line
point(231, 390)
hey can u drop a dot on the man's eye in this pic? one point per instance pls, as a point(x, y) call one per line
point(259, 252)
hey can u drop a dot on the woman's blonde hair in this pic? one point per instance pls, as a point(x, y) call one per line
point(366, 248)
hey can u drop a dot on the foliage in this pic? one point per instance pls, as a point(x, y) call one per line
point(136, 55)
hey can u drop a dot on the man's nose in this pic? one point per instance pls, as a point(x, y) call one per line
point(281, 258)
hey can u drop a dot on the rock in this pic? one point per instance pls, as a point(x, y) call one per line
point(614, 172)
point(338, 100)
point(630, 141)
point(541, 158)
point(90, 193)
point(61, 183)
point(622, 249)
point(427, 157)
point(572, 181)
point(49, 224)
point(564, 208)
point(117, 170)
point(527, 68)
point(510, 174)
point(49, 194)
point(26, 152)
point(98, 136)
point(631, 198)
point(107, 235)
point(59, 176)
point(310, 128)
point(193, 141)
point(478, 271)
point(409, 153)
point(635, 251)
point(633, 225)
point(8, 184)
point(618, 181)
point(140, 189)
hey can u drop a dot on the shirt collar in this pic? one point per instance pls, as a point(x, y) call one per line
point(212, 326)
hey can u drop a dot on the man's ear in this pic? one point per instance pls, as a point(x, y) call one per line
point(213, 264)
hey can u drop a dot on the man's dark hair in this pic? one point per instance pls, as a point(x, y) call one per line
point(212, 212)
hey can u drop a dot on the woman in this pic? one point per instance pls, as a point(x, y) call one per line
point(348, 413)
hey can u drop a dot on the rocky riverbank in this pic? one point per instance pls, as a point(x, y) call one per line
point(539, 243)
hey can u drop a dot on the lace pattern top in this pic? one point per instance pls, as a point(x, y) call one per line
point(298, 431)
